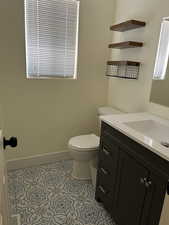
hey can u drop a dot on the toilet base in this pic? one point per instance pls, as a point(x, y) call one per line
point(81, 170)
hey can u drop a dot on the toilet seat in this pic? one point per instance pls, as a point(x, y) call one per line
point(84, 143)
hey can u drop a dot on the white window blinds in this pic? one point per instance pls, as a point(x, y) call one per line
point(51, 35)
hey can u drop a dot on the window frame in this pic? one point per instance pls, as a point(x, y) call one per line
point(61, 77)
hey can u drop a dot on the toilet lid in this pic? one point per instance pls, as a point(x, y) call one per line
point(84, 142)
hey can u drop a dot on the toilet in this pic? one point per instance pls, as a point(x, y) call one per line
point(84, 149)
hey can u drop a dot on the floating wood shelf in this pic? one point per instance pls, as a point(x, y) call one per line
point(126, 44)
point(128, 25)
point(121, 63)
point(125, 69)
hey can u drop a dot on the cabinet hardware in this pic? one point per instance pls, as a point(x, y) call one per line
point(145, 181)
point(106, 152)
point(102, 189)
point(142, 180)
point(104, 171)
point(148, 183)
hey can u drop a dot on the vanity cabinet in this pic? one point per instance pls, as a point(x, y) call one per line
point(131, 180)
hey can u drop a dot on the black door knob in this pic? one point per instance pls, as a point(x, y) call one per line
point(11, 142)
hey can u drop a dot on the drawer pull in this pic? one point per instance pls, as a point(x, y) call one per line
point(142, 180)
point(102, 190)
point(104, 171)
point(146, 182)
point(106, 152)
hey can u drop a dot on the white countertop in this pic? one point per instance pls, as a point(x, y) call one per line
point(118, 122)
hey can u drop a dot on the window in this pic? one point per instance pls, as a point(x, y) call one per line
point(162, 52)
point(51, 36)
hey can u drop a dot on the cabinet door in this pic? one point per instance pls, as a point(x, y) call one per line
point(130, 190)
point(156, 190)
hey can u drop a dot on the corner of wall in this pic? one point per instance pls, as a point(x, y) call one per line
point(159, 110)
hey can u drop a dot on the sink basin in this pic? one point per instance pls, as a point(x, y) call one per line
point(152, 129)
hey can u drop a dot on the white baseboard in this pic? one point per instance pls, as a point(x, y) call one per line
point(37, 160)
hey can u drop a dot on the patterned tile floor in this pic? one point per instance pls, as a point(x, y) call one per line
point(48, 195)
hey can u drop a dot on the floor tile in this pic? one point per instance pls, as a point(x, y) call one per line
point(48, 195)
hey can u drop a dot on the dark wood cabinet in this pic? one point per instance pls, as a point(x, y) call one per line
point(131, 180)
point(131, 191)
point(154, 199)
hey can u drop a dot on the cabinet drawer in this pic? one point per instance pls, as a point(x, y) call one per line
point(108, 156)
point(106, 179)
point(106, 175)
point(109, 139)
point(105, 156)
point(103, 197)
point(104, 170)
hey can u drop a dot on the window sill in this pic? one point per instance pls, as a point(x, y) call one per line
point(50, 78)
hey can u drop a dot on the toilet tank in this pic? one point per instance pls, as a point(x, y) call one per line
point(102, 111)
